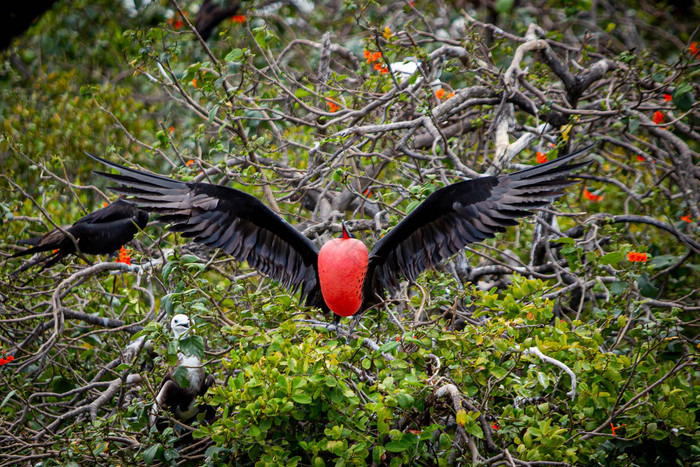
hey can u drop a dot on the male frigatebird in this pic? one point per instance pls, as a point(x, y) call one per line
point(100, 232)
point(182, 401)
point(343, 276)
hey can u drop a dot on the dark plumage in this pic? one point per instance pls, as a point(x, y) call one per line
point(451, 217)
point(100, 232)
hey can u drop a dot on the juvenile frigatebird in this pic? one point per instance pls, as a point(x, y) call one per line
point(343, 276)
point(182, 401)
point(98, 233)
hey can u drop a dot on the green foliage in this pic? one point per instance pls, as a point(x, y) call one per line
point(447, 365)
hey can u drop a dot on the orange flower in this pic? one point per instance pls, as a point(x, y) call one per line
point(189, 162)
point(381, 67)
point(613, 428)
point(668, 97)
point(451, 95)
point(634, 257)
point(541, 157)
point(398, 339)
point(332, 106)
point(439, 93)
point(240, 19)
point(105, 204)
point(686, 219)
point(372, 56)
point(640, 158)
point(590, 196)
point(194, 82)
point(658, 117)
point(124, 256)
point(693, 48)
point(171, 129)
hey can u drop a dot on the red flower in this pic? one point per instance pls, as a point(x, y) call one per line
point(124, 256)
point(381, 67)
point(658, 117)
point(332, 106)
point(693, 48)
point(668, 97)
point(613, 428)
point(372, 56)
point(686, 219)
point(590, 196)
point(495, 426)
point(178, 24)
point(3, 361)
point(640, 158)
point(541, 157)
point(240, 19)
point(634, 257)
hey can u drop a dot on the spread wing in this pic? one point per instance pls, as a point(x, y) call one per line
point(222, 217)
point(462, 213)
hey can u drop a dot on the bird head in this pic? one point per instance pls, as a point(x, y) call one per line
point(179, 325)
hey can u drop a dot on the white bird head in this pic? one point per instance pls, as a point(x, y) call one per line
point(180, 325)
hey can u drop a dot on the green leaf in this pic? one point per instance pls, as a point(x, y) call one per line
point(395, 446)
point(192, 345)
point(683, 97)
point(180, 376)
point(301, 398)
point(189, 258)
point(235, 55)
point(8, 397)
point(504, 6)
point(389, 346)
point(612, 258)
point(150, 453)
point(618, 287)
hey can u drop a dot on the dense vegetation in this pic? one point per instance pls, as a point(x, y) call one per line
point(571, 339)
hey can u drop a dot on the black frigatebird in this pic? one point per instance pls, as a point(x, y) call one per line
point(343, 276)
point(98, 233)
point(182, 401)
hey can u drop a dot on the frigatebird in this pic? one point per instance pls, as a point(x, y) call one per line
point(343, 276)
point(101, 232)
point(182, 401)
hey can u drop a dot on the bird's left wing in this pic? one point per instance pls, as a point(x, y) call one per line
point(226, 218)
point(462, 213)
point(117, 210)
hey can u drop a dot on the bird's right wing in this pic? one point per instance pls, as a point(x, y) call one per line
point(222, 217)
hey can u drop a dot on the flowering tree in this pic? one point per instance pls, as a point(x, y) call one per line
point(570, 339)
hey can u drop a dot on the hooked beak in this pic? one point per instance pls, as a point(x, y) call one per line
point(346, 235)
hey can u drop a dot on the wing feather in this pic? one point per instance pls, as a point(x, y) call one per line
point(222, 217)
point(465, 212)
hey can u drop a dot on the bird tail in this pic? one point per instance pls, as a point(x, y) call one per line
point(43, 261)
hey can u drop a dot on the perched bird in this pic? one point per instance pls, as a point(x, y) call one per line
point(343, 276)
point(182, 401)
point(100, 232)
